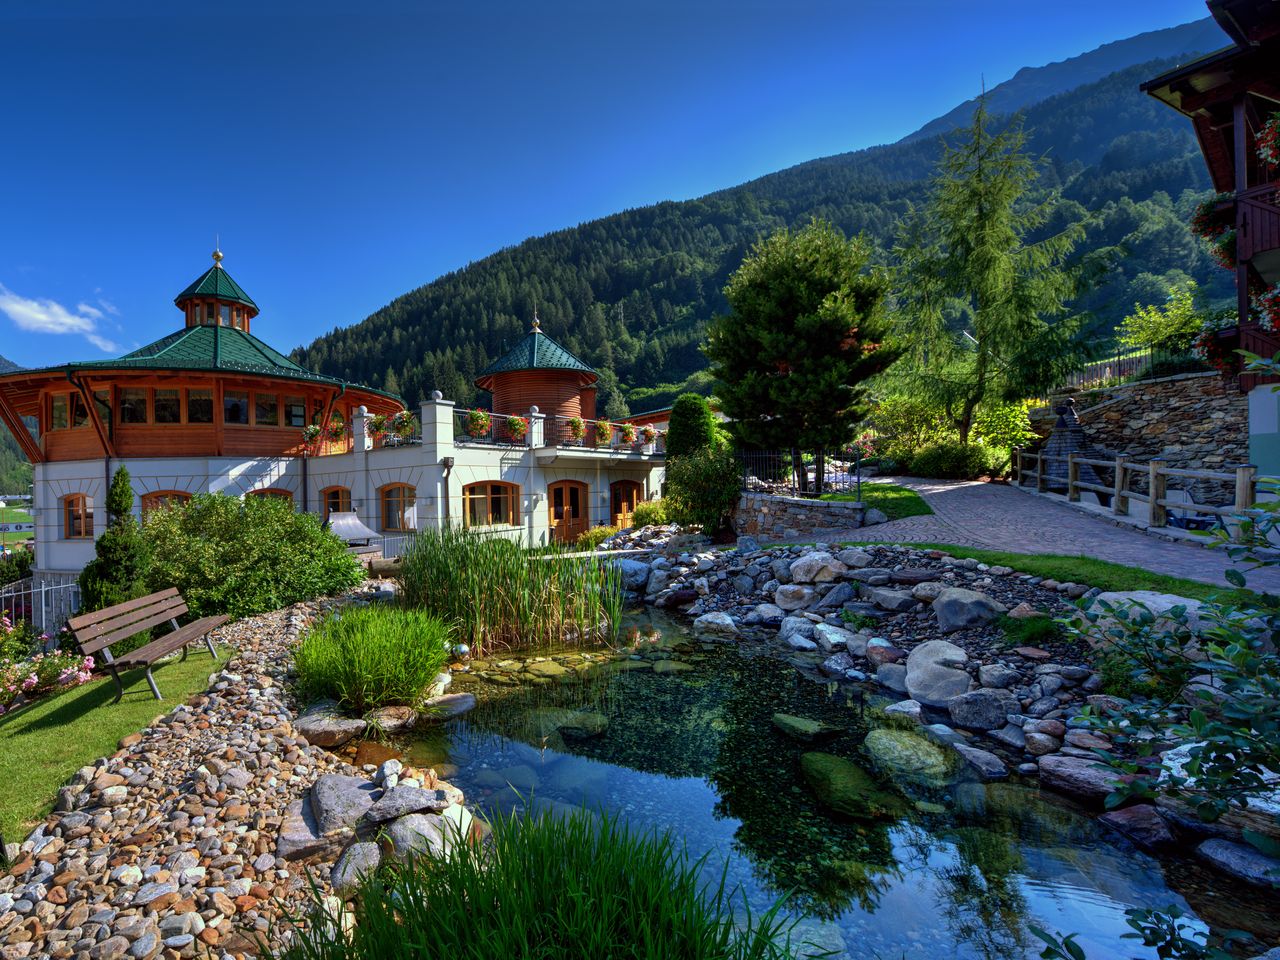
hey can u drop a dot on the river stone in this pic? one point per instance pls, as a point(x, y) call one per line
point(908, 756)
point(1160, 604)
point(804, 729)
point(854, 558)
point(324, 725)
point(905, 708)
point(982, 709)
point(1011, 735)
point(635, 573)
point(768, 614)
point(717, 623)
point(816, 567)
point(871, 516)
point(895, 601)
point(1142, 824)
point(394, 719)
point(796, 627)
point(418, 833)
point(984, 763)
point(997, 675)
point(401, 800)
point(837, 597)
point(583, 724)
point(1085, 779)
point(449, 706)
point(671, 666)
point(339, 801)
point(545, 668)
point(357, 862)
point(847, 788)
point(793, 596)
point(830, 639)
point(1241, 861)
point(893, 676)
point(300, 836)
point(878, 651)
point(957, 608)
point(838, 665)
point(748, 544)
point(935, 674)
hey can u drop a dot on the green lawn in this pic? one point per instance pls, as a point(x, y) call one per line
point(42, 745)
point(14, 515)
point(894, 501)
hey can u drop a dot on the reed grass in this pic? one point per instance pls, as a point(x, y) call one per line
point(495, 594)
point(370, 657)
point(552, 888)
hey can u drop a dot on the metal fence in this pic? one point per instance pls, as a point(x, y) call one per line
point(801, 473)
point(1134, 365)
point(45, 605)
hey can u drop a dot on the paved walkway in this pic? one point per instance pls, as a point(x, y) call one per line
point(998, 517)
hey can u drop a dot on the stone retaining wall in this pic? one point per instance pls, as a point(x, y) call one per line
point(772, 517)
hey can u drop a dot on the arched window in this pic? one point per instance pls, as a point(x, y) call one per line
point(77, 517)
point(489, 503)
point(335, 500)
point(162, 499)
point(397, 501)
point(273, 492)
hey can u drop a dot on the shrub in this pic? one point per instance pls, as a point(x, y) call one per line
point(118, 571)
point(552, 887)
point(41, 674)
point(495, 593)
point(370, 657)
point(650, 513)
point(16, 565)
point(906, 423)
point(591, 539)
point(703, 487)
point(1030, 631)
point(245, 557)
point(692, 426)
point(953, 460)
point(18, 639)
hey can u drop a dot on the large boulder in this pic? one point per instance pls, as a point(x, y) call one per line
point(854, 558)
point(357, 862)
point(935, 673)
point(1142, 824)
point(908, 756)
point(846, 788)
point(635, 573)
point(1241, 861)
point(1160, 604)
point(985, 765)
point(719, 623)
point(983, 709)
point(830, 638)
point(324, 725)
point(895, 601)
point(837, 597)
point(399, 801)
point(1082, 778)
point(339, 801)
point(793, 596)
point(816, 567)
point(957, 608)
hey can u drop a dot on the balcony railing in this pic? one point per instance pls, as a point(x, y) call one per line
point(522, 430)
point(501, 429)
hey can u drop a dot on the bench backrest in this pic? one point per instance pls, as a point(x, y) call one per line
point(102, 628)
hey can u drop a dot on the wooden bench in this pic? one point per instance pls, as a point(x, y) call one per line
point(96, 633)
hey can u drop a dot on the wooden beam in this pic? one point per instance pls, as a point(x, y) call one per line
point(218, 426)
point(87, 396)
point(20, 431)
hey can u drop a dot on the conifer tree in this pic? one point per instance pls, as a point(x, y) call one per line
point(692, 425)
point(118, 571)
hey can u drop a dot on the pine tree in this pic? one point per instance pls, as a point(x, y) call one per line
point(982, 296)
point(118, 570)
point(692, 425)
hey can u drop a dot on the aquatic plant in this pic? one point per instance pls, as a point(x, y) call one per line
point(566, 887)
point(495, 593)
point(369, 657)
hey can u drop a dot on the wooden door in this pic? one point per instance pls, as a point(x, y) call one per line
point(567, 503)
point(623, 497)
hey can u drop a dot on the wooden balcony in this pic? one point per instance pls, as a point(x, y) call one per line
point(1258, 232)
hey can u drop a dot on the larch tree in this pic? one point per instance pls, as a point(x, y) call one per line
point(982, 284)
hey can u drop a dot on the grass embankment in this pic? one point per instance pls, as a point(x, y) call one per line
point(15, 515)
point(44, 744)
point(893, 501)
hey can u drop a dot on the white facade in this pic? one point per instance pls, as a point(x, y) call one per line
point(437, 469)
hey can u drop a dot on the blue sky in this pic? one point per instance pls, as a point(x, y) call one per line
point(345, 158)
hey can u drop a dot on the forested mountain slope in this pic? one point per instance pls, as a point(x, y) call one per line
point(631, 293)
point(15, 471)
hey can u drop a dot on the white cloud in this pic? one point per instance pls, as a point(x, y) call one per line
point(49, 316)
point(109, 307)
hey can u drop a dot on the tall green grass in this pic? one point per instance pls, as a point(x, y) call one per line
point(551, 888)
point(370, 657)
point(496, 594)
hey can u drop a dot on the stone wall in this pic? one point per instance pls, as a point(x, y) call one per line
point(771, 517)
point(1193, 420)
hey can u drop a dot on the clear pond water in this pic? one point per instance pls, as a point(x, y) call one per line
point(957, 870)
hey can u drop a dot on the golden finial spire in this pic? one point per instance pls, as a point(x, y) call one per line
point(537, 324)
point(217, 253)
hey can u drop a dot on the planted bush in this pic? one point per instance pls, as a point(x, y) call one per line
point(242, 557)
point(703, 487)
point(555, 888)
point(953, 460)
point(370, 657)
point(495, 593)
point(591, 539)
point(649, 513)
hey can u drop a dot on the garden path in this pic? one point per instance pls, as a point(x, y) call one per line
point(998, 517)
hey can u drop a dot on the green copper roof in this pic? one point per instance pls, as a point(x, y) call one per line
point(216, 283)
point(213, 348)
point(536, 351)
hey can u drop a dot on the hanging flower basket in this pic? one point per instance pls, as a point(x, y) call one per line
point(1223, 250)
point(478, 423)
point(337, 431)
point(403, 424)
point(518, 428)
point(378, 426)
point(648, 434)
point(1217, 351)
point(627, 432)
point(311, 435)
point(1269, 141)
point(1266, 308)
point(576, 427)
point(604, 433)
point(1211, 219)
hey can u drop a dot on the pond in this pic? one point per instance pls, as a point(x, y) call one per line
point(679, 735)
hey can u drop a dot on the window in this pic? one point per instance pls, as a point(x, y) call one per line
point(235, 407)
point(168, 407)
point(226, 315)
point(273, 492)
point(133, 405)
point(295, 412)
point(397, 506)
point(58, 421)
point(102, 403)
point(199, 406)
point(211, 314)
point(79, 412)
point(485, 504)
point(266, 409)
point(77, 517)
point(163, 499)
point(336, 500)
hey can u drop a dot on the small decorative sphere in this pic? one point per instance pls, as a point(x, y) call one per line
point(461, 650)
point(533, 409)
point(363, 411)
point(437, 395)
point(217, 256)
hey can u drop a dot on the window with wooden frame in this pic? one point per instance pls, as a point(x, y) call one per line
point(77, 517)
point(200, 406)
point(163, 499)
point(335, 500)
point(295, 412)
point(168, 406)
point(133, 405)
point(235, 406)
point(266, 409)
point(273, 492)
point(59, 414)
point(397, 500)
point(491, 503)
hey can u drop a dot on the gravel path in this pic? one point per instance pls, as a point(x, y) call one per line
point(999, 517)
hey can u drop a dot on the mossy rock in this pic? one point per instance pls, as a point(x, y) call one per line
point(845, 787)
point(671, 666)
point(908, 756)
point(802, 728)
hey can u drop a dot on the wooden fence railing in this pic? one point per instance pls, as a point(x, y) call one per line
point(1244, 478)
